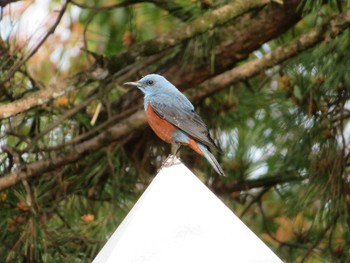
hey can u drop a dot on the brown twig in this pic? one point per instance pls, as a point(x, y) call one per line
point(52, 29)
point(273, 237)
point(317, 241)
point(172, 7)
point(334, 26)
point(118, 132)
point(220, 188)
point(184, 33)
point(63, 117)
point(105, 8)
point(97, 129)
point(88, 21)
point(4, 3)
point(65, 86)
point(97, 142)
point(254, 200)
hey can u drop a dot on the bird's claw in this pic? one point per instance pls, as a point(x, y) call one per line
point(170, 161)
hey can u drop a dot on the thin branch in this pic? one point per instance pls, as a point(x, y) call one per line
point(4, 3)
point(248, 31)
point(257, 198)
point(105, 8)
point(43, 96)
point(220, 188)
point(172, 7)
point(96, 130)
point(267, 230)
point(63, 117)
point(237, 39)
point(184, 33)
point(16, 247)
point(118, 132)
point(88, 21)
point(178, 10)
point(333, 27)
point(102, 140)
point(317, 241)
point(52, 29)
point(65, 86)
point(269, 60)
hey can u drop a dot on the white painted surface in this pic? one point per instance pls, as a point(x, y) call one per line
point(178, 219)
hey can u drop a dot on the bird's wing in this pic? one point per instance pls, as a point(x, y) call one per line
point(179, 111)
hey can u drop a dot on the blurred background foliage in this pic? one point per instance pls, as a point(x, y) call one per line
point(283, 127)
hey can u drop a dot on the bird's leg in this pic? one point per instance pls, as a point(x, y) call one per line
point(171, 160)
point(175, 146)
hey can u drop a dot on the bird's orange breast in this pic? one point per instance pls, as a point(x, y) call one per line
point(165, 129)
point(161, 127)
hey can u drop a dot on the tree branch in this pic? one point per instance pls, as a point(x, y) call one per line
point(220, 188)
point(177, 10)
point(52, 29)
point(67, 85)
point(184, 33)
point(244, 35)
point(4, 3)
point(105, 8)
point(42, 96)
point(172, 7)
point(330, 28)
point(113, 134)
point(316, 242)
point(137, 120)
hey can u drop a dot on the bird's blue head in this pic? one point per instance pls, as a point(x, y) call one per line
point(152, 83)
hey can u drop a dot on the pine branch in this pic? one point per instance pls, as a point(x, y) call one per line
point(113, 134)
point(247, 33)
point(118, 132)
point(107, 7)
point(51, 30)
point(42, 96)
point(172, 7)
point(63, 87)
point(244, 34)
point(317, 241)
point(220, 188)
point(177, 10)
point(329, 29)
point(4, 3)
point(203, 24)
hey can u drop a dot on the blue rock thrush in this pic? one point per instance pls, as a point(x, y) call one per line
point(173, 118)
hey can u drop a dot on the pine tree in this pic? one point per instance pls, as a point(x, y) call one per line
point(270, 78)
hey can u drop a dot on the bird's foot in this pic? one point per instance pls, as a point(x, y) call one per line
point(170, 161)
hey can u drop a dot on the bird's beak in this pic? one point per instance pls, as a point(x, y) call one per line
point(135, 84)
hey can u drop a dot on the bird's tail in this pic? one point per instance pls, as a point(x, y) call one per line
point(211, 159)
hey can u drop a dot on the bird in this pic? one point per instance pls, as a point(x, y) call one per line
point(173, 118)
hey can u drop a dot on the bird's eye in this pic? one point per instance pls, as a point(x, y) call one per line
point(150, 82)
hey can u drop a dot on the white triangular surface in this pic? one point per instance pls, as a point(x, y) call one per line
point(178, 219)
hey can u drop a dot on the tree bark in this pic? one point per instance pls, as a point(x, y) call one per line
point(332, 27)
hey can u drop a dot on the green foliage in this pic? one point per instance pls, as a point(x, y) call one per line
point(284, 133)
point(70, 212)
point(316, 5)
